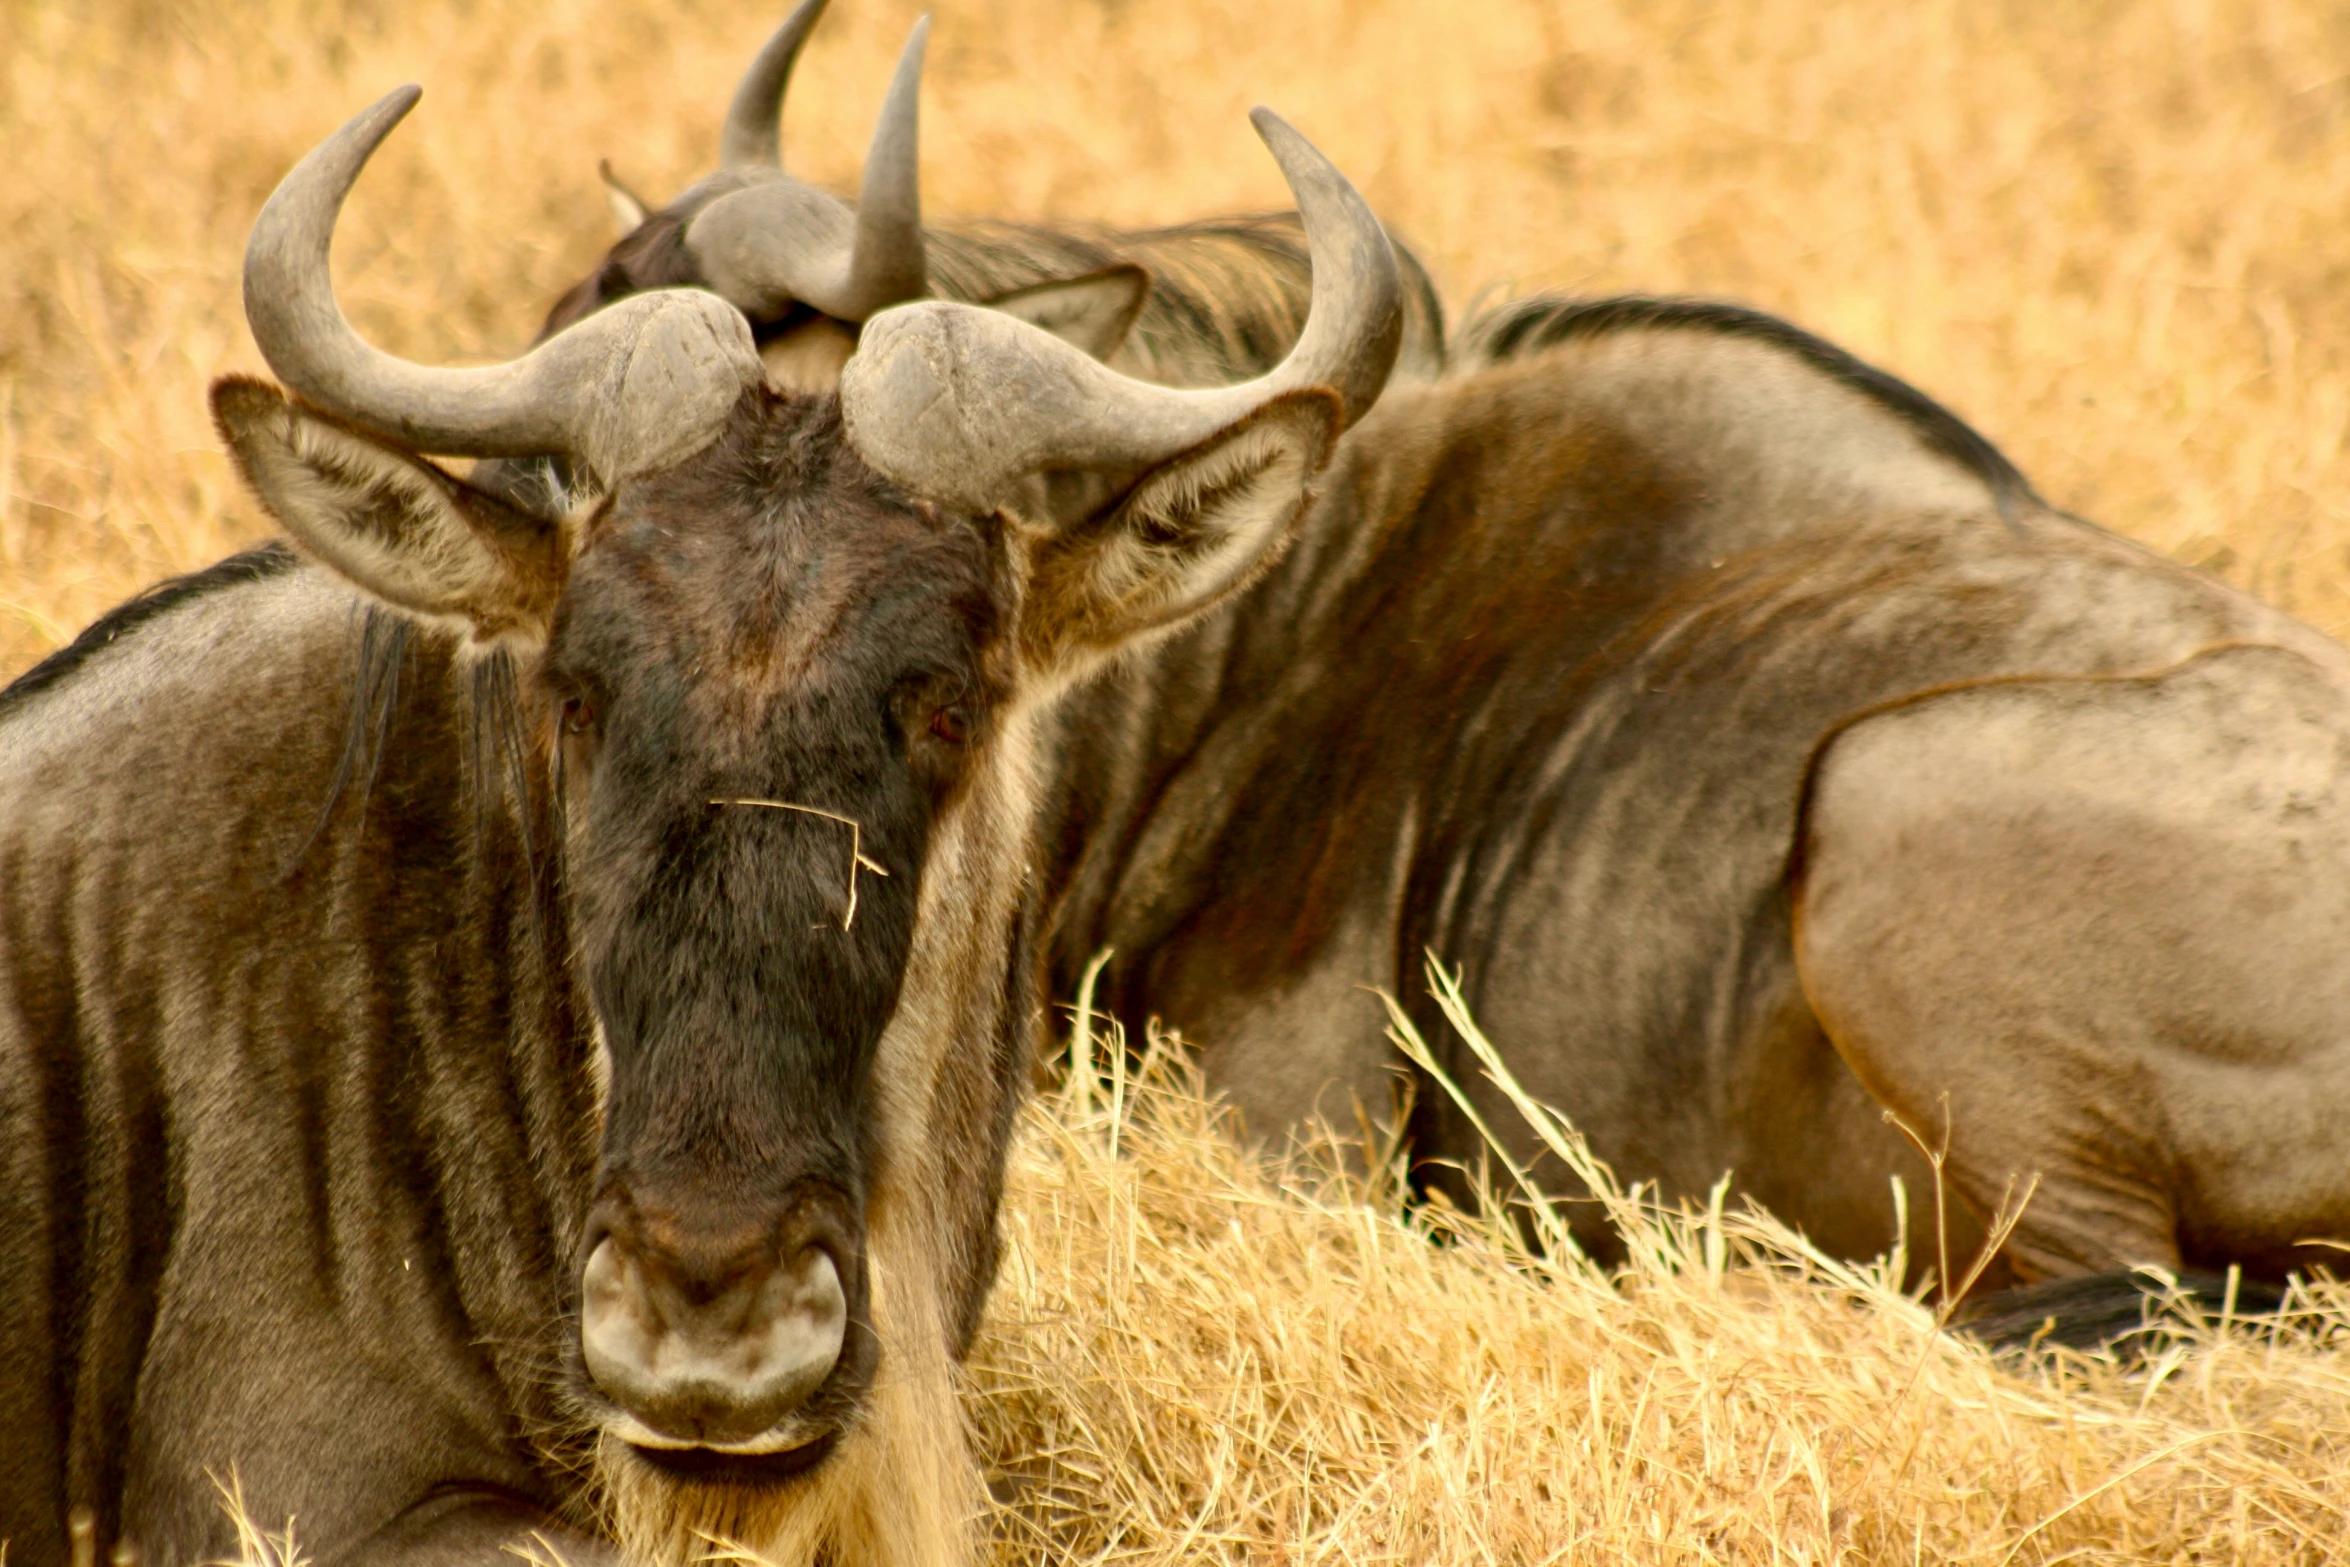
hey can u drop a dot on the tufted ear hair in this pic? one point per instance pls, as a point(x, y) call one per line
point(391, 523)
point(1093, 312)
point(1189, 533)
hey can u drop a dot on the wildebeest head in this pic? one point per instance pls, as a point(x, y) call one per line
point(784, 656)
point(805, 269)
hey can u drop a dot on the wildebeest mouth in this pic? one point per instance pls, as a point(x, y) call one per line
point(750, 1464)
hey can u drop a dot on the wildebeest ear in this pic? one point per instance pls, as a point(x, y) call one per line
point(1191, 531)
point(628, 208)
point(1093, 312)
point(390, 522)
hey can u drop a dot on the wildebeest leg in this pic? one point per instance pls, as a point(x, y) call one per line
point(2030, 1109)
point(2097, 925)
point(2100, 1310)
point(476, 1529)
point(1313, 1049)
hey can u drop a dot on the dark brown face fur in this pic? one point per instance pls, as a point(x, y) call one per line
point(652, 255)
point(769, 622)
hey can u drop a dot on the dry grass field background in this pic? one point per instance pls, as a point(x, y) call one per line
point(2112, 235)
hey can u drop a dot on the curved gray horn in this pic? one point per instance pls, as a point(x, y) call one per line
point(634, 387)
point(960, 403)
point(753, 137)
point(779, 242)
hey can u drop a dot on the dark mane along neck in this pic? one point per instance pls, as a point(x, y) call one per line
point(507, 782)
point(263, 560)
point(1525, 327)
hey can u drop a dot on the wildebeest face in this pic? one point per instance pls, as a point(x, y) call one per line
point(764, 680)
point(770, 674)
point(768, 687)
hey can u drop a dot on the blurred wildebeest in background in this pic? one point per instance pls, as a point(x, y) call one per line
point(599, 1061)
point(1194, 305)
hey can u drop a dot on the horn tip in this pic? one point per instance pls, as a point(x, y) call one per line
point(376, 121)
point(796, 26)
point(367, 130)
point(1281, 138)
point(1298, 157)
point(751, 137)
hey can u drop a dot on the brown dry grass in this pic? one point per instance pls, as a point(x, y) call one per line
point(2109, 234)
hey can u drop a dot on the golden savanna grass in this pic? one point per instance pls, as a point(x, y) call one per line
point(1194, 1358)
point(2111, 235)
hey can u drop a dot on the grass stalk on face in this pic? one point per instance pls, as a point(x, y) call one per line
point(858, 859)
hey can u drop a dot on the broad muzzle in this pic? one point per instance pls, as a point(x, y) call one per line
point(710, 1337)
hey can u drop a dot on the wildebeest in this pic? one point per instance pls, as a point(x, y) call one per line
point(557, 1089)
point(1767, 755)
point(1194, 305)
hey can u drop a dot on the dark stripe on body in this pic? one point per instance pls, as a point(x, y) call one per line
point(39, 1269)
point(130, 1188)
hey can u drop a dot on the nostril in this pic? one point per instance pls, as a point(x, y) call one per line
point(720, 1366)
point(795, 1330)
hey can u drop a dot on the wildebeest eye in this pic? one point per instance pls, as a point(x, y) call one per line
point(579, 715)
point(952, 724)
